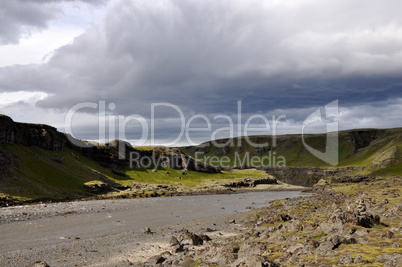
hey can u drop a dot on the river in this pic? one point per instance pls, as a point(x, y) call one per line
point(29, 226)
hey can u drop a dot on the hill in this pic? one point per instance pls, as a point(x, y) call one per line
point(362, 151)
point(37, 162)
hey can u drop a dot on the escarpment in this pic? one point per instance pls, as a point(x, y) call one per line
point(27, 134)
point(111, 155)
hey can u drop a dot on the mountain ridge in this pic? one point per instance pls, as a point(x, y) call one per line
point(39, 162)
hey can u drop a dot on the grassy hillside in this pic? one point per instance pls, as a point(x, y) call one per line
point(35, 173)
point(174, 177)
point(28, 172)
point(32, 173)
point(373, 148)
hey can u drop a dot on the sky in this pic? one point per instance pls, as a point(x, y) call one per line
point(180, 72)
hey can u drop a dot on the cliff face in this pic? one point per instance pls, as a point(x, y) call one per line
point(40, 135)
point(43, 136)
point(48, 138)
point(183, 161)
point(354, 146)
point(9, 132)
point(308, 176)
point(370, 148)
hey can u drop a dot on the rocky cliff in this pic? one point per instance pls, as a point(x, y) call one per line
point(40, 135)
point(108, 155)
point(9, 132)
point(355, 146)
point(308, 176)
point(360, 152)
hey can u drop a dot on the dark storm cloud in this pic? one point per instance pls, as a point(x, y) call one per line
point(204, 56)
point(19, 18)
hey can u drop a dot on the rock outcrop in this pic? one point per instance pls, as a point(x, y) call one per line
point(9, 132)
point(111, 155)
point(308, 176)
point(350, 179)
point(251, 182)
point(40, 135)
point(389, 157)
point(175, 159)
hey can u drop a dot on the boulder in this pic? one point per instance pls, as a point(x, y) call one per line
point(256, 260)
point(40, 264)
point(329, 227)
point(156, 260)
point(291, 250)
point(368, 220)
point(188, 238)
point(346, 260)
point(174, 241)
point(96, 187)
point(333, 242)
point(205, 237)
point(218, 254)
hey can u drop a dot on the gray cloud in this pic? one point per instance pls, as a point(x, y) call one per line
point(205, 55)
point(19, 18)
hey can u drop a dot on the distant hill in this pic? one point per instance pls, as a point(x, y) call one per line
point(377, 151)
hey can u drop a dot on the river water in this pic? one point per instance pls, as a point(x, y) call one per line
point(61, 222)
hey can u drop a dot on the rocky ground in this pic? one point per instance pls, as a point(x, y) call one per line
point(141, 190)
point(343, 224)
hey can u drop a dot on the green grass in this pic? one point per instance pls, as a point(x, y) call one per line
point(170, 176)
point(364, 148)
point(389, 171)
point(144, 148)
point(318, 236)
point(62, 174)
point(39, 176)
point(56, 175)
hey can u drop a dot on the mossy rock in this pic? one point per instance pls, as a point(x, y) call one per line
point(96, 187)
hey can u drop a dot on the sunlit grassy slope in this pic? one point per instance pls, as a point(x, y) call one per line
point(34, 173)
point(372, 148)
point(191, 178)
point(42, 174)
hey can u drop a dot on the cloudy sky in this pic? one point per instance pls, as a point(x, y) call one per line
point(276, 57)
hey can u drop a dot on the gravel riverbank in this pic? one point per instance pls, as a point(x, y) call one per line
point(341, 224)
point(122, 249)
point(103, 232)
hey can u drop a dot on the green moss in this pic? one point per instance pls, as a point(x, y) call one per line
point(368, 253)
point(276, 203)
point(379, 226)
point(318, 236)
point(274, 255)
point(391, 251)
point(288, 233)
